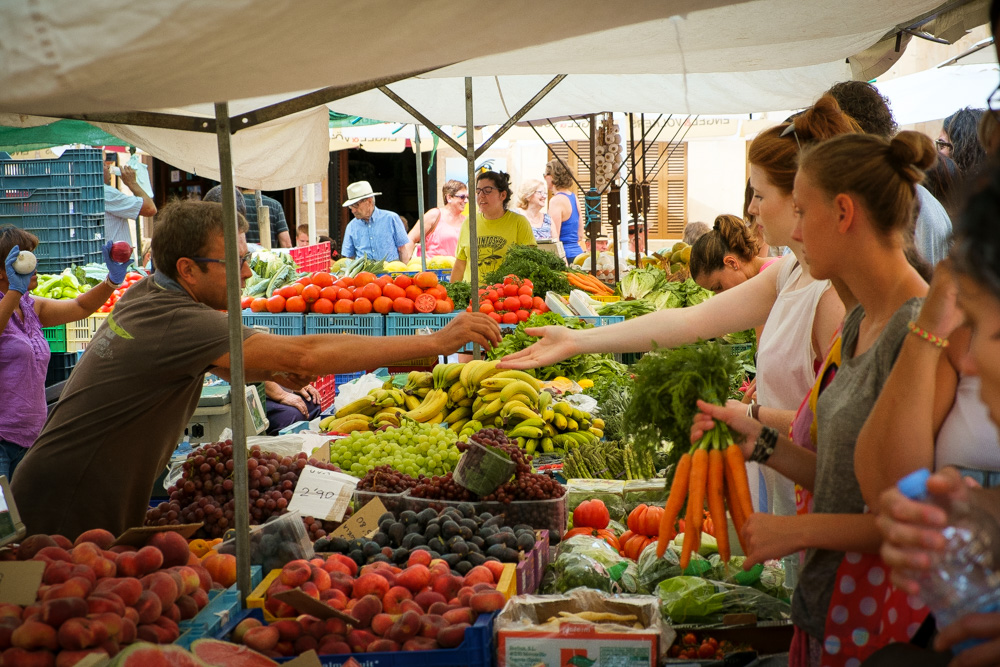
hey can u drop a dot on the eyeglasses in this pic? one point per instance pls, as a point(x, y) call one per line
point(462, 197)
point(488, 190)
point(539, 192)
point(942, 144)
point(245, 259)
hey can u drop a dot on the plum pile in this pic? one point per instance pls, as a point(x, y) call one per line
point(204, 492)
point(458, 535)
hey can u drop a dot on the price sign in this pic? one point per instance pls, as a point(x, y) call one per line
point(323, 494)
point(363, 523)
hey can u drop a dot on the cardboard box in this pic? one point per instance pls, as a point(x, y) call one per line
point(531, 631)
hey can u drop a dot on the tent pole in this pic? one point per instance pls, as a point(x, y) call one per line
point(645, 189)
point(264, 230)
point(420, 195)
point(311, 211)
point(448, 139)
point(237, 380)
point(591, 228)
point(519, 114)
point(633, 191)
point(470, 158)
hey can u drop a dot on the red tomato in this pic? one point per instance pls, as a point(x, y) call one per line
point(538, 302)
point(468, 308)
point(496, 317)
point(425, 303)
point(535, 311)
point(510, 289)
point(425, 279)
point(364, 278)
point(371, 291)
point(357, 292)
point(329, 292)
point(322, 279)
point(509, 318)
point(511, 280)
point(492, 295)
point(245, 302)
point(526, 301)
point(524, 289)
point(363, 306)
point(304, 280)
point(393, 291)
point(486, 307)
point(348, 281)
point(133, 276)
point(511, 303)
point(403, 281)
point(258, 305)
point(311, 293)
point(383, 305)
point(295, 304)
point(443, 306)
point(523, 315)
point(412, 292)
point(346, 293)
point(403, 305)
point(322, 306)
point(706, 651)
point(382, 281)
point(276, 304)
point(438, 292)
point(343, 306)
point(287, 291)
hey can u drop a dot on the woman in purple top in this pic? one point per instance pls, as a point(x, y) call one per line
point(24, 352)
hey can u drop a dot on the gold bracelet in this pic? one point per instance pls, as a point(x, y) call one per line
point(937, 341)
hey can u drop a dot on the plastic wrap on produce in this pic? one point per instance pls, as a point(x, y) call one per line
point(609, 491)
point(356, 389)
point(592, 563)
point(697, 600)
point(604, 629)
point(645, 492)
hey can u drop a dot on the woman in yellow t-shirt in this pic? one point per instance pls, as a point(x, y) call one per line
point(496, 227)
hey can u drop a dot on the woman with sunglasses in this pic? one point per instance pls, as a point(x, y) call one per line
point(497, 229)
point(443, 224)
point(24, 352)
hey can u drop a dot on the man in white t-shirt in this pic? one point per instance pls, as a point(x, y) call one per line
point(120, 207)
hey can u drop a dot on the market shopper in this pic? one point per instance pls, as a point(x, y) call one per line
point(284, 407)
point(497, 228)
point(959, 140)
point(727, 256)
point(302, 236)
point(530, 202)
point(564, 210)
point(855, 197)
point(24, 352)
point(120, 207)
point(861, 101)
point(373, 233)
point(124, 408)
point(443, 224)
point(280, 238)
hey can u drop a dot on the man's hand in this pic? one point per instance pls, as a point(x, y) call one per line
point(310, 393)
point(768, 537)
point(556, 344)
point(476, 327)
point(128, 177)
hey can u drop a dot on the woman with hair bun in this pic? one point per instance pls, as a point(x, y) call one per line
point(855, 199)
point(727, 256)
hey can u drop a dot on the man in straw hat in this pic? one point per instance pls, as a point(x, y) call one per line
point(373, 233)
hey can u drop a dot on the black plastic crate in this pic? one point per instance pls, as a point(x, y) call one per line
point(60, 366)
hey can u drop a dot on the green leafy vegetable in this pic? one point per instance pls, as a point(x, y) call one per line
point(627, 309)
point(545, 271)
point(668, 383)
point(460, 293)
point(640, 282)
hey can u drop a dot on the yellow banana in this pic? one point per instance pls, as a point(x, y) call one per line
point(496, 384)
point(559, 422)
point(534, 422)
point(386, 420)
point(572, 425)
point(452, 375)
point(463, 377)
point(544, 400)
point(457, 393)
point(498, 422)
point(432, 406)
point(517, 410)
point(527, 400)
point(489, 396)
point(437, 419)
point(457, 414)
point(350, 424)
point(523, 431)
point(596, 431)
point(465, 402)
point(326, 421)
point(519, 387)
point(547, 445)
point(563, 408)
point(422, 392)
point(521, 375)
point(411, 402)
point(577, 415)
point(359, 406)
point(550, 430)
point(458, 426)
point(481, 372)
point(548, 414)
point(598, 423)
point(486, 412)
point(531, 445)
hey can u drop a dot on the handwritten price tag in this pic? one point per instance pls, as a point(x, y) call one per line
point(363, 523)
point(323, 494)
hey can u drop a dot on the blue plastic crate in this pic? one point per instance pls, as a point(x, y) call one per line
point(372, 324)
point(602, 320)
point(282, 324)
point(397, 324)
point(475, 651)
point(77, 167)
point(344, 378)
point(60, 366)
point(223, 605)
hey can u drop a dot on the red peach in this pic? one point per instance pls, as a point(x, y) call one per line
point(263, 638)
point(33, 636)
point(98, 536)
point(174, 547)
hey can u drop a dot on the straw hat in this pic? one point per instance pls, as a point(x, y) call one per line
point(358, 191)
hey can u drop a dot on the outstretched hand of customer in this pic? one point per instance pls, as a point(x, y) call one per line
point(116, 270)
point(469, 327)
point(556, 344)
point(19, 282)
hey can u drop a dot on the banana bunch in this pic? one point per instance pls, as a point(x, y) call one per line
point(379, 408)
point(434, 408)
point(570, 427)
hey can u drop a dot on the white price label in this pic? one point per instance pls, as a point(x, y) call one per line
point(323, 494)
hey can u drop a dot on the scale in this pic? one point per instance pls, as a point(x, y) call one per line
point(214, 414)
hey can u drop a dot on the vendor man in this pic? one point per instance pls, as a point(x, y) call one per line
point(124, 408)
point(373, 233)
point(119, 207)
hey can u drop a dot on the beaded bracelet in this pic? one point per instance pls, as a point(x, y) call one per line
point(937, 341)
point(764, 447)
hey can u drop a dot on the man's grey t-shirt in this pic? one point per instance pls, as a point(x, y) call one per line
point(933, 232)
point(841, 411)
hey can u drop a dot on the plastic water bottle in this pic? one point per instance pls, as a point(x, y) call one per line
point(965, 578)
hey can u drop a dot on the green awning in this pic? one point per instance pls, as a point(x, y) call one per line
point(345, 120)
point(59, 133)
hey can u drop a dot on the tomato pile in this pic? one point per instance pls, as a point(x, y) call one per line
point(689, 648)
point(510, 302)
point(130, 279)
point(364, 293)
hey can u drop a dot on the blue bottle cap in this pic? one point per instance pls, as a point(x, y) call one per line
point(914, 485)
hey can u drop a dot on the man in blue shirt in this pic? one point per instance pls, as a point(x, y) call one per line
point(373, 233)
point(119, 207)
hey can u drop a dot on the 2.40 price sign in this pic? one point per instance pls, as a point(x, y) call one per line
point(323, 494)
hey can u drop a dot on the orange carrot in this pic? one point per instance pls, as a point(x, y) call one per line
point(734, 510)
point(696, 505)
point(678, 491)
point(717, 501)
point(741, 485)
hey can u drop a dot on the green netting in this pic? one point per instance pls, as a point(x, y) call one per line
point(59, 133)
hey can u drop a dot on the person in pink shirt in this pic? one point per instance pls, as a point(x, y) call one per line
point(443, 224)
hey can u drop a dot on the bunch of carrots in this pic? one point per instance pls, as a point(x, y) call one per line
point(588, 283)
point(714, 471)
